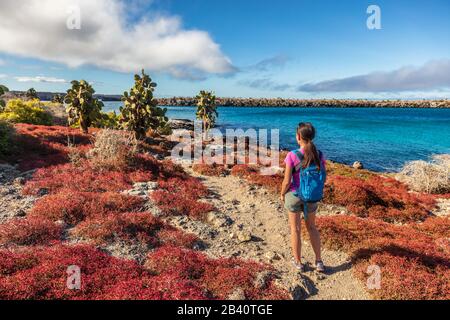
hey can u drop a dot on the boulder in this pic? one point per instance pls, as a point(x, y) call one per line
point(358, 165)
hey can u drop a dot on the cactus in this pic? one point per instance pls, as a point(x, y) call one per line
point(207, 109)
point(32, 94)
point(57, 98)
point(140, 111)
point(3, 90)
point(82, 107)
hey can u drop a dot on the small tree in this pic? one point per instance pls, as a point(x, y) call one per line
point(32, 94)
point(140, 111)
point(82, 107)
point(3, 90)
point(207, 109)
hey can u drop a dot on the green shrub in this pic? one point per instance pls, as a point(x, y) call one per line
point(6, 132)
point(29, 112)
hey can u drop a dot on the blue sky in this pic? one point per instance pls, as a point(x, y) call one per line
point(290, 48)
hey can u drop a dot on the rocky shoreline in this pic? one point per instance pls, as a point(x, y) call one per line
point(269, 102)
point(316, 103)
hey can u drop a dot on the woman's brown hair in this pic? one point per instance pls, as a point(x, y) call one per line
point(307, 133)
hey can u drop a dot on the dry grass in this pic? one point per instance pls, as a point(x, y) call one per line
point(113, 150)
point(430, 177)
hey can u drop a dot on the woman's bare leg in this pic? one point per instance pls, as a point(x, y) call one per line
point(295, 223)
point(314, 235)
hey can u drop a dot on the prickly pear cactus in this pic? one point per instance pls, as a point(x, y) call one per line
point(207, 109)
point(57, 98)
point(32, 94)
point(3, 90)
point(140, 111)
point(82, 107)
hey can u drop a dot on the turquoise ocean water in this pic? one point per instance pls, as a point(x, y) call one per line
point(382, 139)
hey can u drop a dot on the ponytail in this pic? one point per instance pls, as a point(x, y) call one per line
point(311, 156)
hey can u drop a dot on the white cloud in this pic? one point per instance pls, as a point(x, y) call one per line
point(40, 79)
point(433, 75)
point(3, 76)
point(107, 39)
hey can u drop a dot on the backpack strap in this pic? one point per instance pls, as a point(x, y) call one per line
point(299, 156)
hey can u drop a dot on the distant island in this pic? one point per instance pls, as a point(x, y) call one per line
point(275, 102)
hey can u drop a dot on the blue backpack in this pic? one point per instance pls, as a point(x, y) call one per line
point(312, 183)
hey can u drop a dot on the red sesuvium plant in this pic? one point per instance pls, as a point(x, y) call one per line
point(44, 146)
point(87, 201)
point(41, 273)
point(73, 207)
point(82, 178)
point(142, 227)
point(220, 278)
point(181, 197)
point(178, 205)
point(406, 256)
point(253, 176)
point(210, 170)
point(378, 197)
point(30, 231)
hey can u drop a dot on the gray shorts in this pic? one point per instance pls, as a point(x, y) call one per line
point(294, 204)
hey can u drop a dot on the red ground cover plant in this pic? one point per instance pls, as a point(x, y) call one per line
point(73, 207)
point(163, 287)
point(43, 146)
point(83, 177)
point(181, 197)
point(210, 170)
point(41, 273)
point(405, 278)
point(77, 178)
point(177, 204)
point(27, 232)
point(438, 227)
point(413, 264)
point(189, 187)
point(377, 197)
point(142, 227)
point(243, 170)
point(220, 278)
point(55, 134)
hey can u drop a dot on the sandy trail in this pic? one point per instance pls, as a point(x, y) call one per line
point(246, 212)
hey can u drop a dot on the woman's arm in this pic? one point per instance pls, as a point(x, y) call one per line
point(286, 182)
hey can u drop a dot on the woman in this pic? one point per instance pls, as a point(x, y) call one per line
point(307, 156)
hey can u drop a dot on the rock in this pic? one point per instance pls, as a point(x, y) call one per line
point(244, 236)
point(181, 124)
point(358, 165)
point(42, 192)
point(237, 295)
point(262, 279)
point(272, 256)
point(20, 181)
point(210, 217)
point(151, 207)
